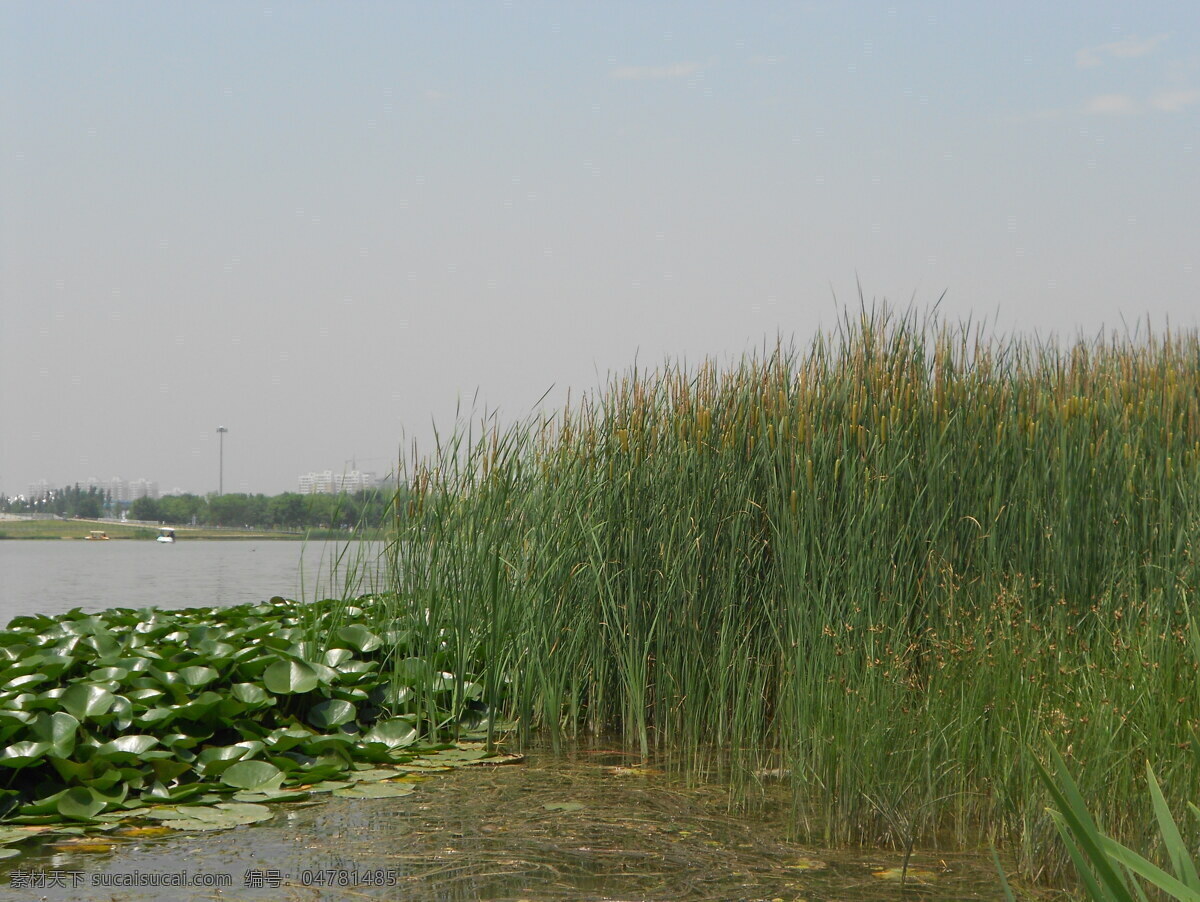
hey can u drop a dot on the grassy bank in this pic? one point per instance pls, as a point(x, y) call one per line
point(888, 566)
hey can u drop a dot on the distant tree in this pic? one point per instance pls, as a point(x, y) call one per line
point(229, 510)
point(145, 508)
point(320, 510)
point(180, 509)
point(287, 510)
point(90, 505)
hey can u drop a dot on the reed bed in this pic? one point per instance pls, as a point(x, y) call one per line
point(888, 567)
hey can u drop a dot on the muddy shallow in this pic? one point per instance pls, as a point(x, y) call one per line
point(579, 825)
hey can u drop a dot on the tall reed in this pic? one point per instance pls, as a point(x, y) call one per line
point(886, 565)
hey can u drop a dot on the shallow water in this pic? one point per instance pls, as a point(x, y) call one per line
point(579, 825)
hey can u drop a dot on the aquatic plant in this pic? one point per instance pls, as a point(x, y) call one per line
point(883, 566)
point(197, 717)
point(1109, 871)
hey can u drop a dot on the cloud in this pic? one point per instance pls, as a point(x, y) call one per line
point(1174, 101)
point(638, 73)
point(1126, 48)
point(1111, 105)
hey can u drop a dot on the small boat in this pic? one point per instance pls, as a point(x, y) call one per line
point(97, 535)
point(166, 535)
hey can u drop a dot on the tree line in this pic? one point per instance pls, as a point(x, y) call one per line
point(73, 501)
point(289, 510)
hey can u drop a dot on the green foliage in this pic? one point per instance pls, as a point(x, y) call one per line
point(114, 715)
point(884, 566)
point(1108, 870)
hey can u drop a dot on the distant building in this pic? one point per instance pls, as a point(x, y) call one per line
point(39, 489)
point(118, 489)
point(317, 483)
point(142, 488)
point(328, 483)
point(122, 491)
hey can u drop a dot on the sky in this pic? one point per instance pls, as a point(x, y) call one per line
point(334, 227)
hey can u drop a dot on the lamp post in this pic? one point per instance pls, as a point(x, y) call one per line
point(221, 430)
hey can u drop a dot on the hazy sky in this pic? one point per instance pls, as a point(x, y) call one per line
point(322, 225)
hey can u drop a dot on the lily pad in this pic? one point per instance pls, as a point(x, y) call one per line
point(258, 776)
point(396, 732)
point(21, 754)
point(290, 677)
point(331, 713)
point(359, 638)
point(375, 791)
point(86, 700)
point(81, 803)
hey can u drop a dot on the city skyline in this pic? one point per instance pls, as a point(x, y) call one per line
point(337, 230)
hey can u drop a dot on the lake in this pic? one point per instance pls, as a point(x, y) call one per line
point(52, 576)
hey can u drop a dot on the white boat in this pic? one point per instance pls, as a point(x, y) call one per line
point(166, 535)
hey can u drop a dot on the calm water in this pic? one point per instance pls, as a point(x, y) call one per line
point(557, 828)
point(53, 576)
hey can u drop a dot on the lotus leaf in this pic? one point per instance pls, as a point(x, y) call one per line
point(375, 791)
point(109, 674)
point(396, 732)
point(197, 676)
point(288, 737)
point(20, 754)
point(25, 680)
point(275, 795)
point(127, 747)
point(59, 730)
point(289, 677)
point(335, 657)
point(255, 775)
point(250, 694)
point(81, 803)
point(359, 638)
point(155, 717)
point(331, 713)
point(87, 701)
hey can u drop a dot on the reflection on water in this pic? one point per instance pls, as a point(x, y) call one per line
point(583, 825)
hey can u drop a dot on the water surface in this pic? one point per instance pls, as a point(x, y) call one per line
point(584, 825)
point(54, 575)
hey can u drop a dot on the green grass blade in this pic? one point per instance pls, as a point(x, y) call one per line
point(1075, 818)
point(1181, 861)
point(1008, 893)
point(1143, 868)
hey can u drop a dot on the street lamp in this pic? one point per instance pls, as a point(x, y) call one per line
point(221, 430)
